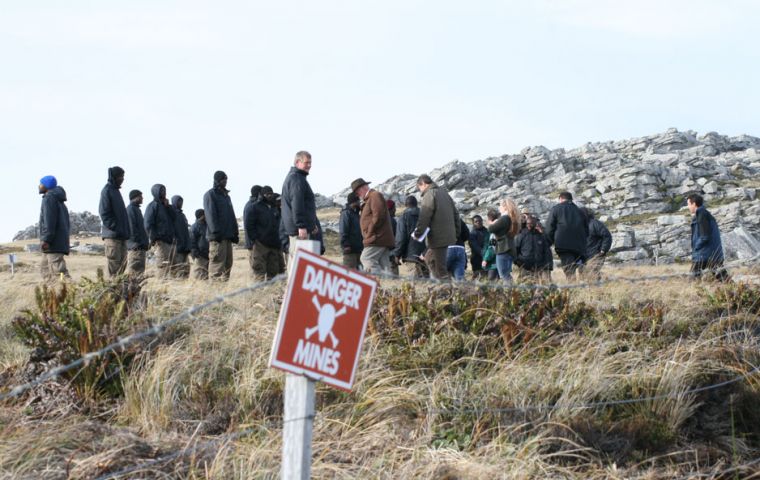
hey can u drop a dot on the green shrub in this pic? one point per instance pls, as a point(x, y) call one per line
point(736, 298)
point(72, 320)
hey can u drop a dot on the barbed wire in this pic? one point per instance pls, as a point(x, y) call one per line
point(199, 447)
point(129, 339)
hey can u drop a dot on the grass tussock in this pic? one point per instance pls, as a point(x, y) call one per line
point(453, 383)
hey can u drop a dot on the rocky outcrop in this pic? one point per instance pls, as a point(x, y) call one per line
point(83, 224)
point(637, 186)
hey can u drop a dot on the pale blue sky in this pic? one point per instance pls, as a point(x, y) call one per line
point(174, 90)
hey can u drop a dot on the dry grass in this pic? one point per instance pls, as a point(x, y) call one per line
point(451, 413)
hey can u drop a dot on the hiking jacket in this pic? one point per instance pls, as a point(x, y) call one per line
point(138, 237)
point(198, 240)
point(221, 223)
point(159, 218)
point(406, 247)
point(567, 229)
point(181, 227)
point(261, 222)
point(533, 251)
point(375, 221)
point(350, 231)
point(113, 213)
point(599, 238)
point(706, 244)
point(299, 209)
point(54, 221)
point(439, 213)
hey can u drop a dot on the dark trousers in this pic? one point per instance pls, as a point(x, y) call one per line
point(571, 263)
point(436, 262)
point(714, 266)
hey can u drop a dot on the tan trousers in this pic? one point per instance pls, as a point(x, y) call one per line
point(162, 251)
point(200, 268)
point(180, 265)
point(376, 259)
point(435, 258)
point(52, 266)
point(351, 260)
point(136, 262)
point(116, 255)
point(220, 260)
point(266, 262)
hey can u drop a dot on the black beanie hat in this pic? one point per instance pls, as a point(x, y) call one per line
point(134, 194)
point(199, 213)
point(219, 176)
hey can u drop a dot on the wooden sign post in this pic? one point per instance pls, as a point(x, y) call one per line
point(319, 336)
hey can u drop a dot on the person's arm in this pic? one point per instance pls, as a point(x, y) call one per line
point(149, 221)
point(105, 209)
point(344, 227)
point(249, 222)
point(703, 230)
point(212, 220)
point(606, 239)
point(427, 207)
point(551, 226)
point(49, 220)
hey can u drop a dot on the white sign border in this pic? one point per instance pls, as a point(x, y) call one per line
point(273, 362)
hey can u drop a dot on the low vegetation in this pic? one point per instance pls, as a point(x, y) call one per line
point(646, 380)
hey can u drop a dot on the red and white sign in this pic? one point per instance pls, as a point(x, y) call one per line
point(322, 321)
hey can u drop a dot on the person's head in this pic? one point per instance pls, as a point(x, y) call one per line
point(48, 182)
point(220, 179)
point(410, 201)
point(391, 207)
point(477, 221)
point(136, 197)
point(255, 191)
point(158, 191)
point(116, 176)
point(565, 197)
point(360, 187)
point(509, 207)
point(694, 201)
point(303, 161)
point(493, 214)
point(588, 212)
point(352, 200)
point(200, 215)
point(178, 201)
point(423, 182)
point(267, 194)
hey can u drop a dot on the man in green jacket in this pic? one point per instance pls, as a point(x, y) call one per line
point(438, 224)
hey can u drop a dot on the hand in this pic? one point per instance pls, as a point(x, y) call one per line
point(303, 234)
point(315, 231)
point(347, 250)
point(165, 201)
point(45, 246)
point(484, 264)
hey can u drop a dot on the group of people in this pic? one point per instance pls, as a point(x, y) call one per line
point(429, 237)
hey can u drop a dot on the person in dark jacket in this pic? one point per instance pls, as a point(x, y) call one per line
point(456, 258)
point(199, 246)
point(262, 226)
point(408, 250)
point(113, 215)
point(534, 256)
point(504, 230)
point(598, 244)
point(181, 248)
point(138, 243)
point(476, 242)
point(222, 228)
point(159, 223)
point(394, 226)
point(567, 230)
point(706, 245)
point(54, 229)
point(350, 232)
point(299, 208)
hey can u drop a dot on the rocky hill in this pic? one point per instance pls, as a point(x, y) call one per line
point(84, 223)
point(637, 186)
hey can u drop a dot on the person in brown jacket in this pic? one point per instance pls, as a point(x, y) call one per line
point(439, 225)
point(375, 222)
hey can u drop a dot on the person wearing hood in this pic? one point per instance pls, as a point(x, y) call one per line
point(598, 243)
point(54, 229)
point(222, 228)
point(138, 243)
point(262, 235)
point(407, 250)
point(159, 223)
point(181, 248)
point(199, 246)
point(299, 208)
point(350, 232)
point(113, 215)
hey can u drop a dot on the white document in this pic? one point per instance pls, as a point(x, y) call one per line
point(421, 237)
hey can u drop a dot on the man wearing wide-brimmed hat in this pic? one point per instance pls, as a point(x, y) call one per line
point(375, 222)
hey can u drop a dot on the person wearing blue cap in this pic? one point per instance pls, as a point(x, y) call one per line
point(113, 214)
point(54, 229)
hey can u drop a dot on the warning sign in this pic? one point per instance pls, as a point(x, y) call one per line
point(323, 319)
